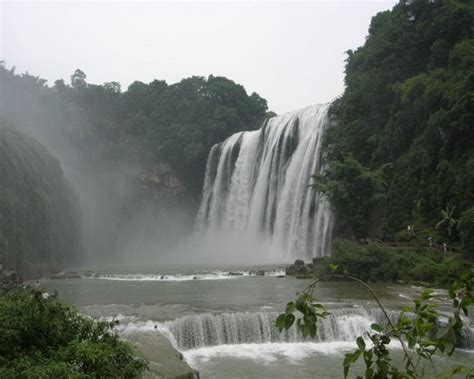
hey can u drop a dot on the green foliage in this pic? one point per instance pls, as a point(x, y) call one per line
point(311, 310)
point(39, 228)
point(466, 230)
point(408, 102)
point(448, 221)
point(377, 263)
point(41, 338)
point(418, 329)
point(354, 190)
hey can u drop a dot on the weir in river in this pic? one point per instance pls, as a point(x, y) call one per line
point(256, 183)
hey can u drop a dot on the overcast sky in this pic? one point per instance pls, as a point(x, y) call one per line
point(290, 53)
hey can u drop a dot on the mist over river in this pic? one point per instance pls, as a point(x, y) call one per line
point(222, 318)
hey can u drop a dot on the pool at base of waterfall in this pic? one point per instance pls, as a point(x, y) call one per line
point(222, 319)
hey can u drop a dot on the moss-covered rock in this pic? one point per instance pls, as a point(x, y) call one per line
point(39, 216)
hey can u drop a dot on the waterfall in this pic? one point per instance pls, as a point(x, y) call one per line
point(207, 329)
point(256, 183)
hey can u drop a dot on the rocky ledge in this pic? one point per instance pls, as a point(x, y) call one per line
point(164, 361)
point(301, 270)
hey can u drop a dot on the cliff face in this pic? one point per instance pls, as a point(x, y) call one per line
point(160, 178)
point(39, 216)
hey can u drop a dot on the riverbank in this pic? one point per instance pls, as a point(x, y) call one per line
point(162, 359)
point(374, 262)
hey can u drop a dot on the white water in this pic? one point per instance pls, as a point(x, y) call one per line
point(256, 185)
point(268, 353)
point(214, 275)
point(206, 329)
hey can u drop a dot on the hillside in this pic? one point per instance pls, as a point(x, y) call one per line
point(402, 150)
point(39, 218)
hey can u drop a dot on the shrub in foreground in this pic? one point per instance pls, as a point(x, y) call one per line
point(43, 338)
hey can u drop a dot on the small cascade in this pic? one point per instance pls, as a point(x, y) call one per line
point(256, 183)
point(466, 341)
point(207, 329)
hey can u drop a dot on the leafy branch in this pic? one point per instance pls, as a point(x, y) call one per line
point(418, 329)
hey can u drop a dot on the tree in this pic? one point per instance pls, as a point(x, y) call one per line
point(78, 80)
point(448, 220)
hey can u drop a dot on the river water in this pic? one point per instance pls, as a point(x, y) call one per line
point(222, 319)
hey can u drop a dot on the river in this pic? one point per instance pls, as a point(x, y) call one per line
point(222, 319)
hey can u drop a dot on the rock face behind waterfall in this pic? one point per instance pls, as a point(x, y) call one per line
point(257, 183)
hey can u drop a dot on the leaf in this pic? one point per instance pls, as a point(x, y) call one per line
point(376, 327)
point(290, 307)
point(333, 267)
point(281, 322)
point(289, 320)
point(360, 343)
point(348, 359)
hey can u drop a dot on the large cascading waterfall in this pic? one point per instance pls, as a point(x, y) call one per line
point(257, 183)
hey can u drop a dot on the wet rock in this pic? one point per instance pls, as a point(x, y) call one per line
point(163, 359)
point(260, 273)
point(57, 276)
point(299, 263)
point(235, 273)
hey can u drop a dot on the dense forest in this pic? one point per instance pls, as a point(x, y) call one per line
point(39, 215)
point(402, 150)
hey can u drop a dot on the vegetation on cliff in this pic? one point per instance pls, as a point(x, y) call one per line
point(39, 219)
point(402, 150)
point(43, 338)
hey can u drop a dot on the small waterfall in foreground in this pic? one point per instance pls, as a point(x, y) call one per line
point(257, 183)
point(207, 329)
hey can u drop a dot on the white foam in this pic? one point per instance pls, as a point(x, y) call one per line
point(215, 275)
point(267, 353)
point(136, 327)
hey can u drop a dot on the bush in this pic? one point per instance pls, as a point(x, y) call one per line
point(377, 263)
point(41, 338)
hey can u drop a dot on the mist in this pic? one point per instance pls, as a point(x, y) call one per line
point(127, 211)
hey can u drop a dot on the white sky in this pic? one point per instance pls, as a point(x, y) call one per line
point(291, 53)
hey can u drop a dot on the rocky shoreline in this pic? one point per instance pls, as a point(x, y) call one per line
point(164, 361)
point(300, 270)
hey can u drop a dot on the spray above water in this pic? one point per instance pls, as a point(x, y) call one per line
point(256, 186)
